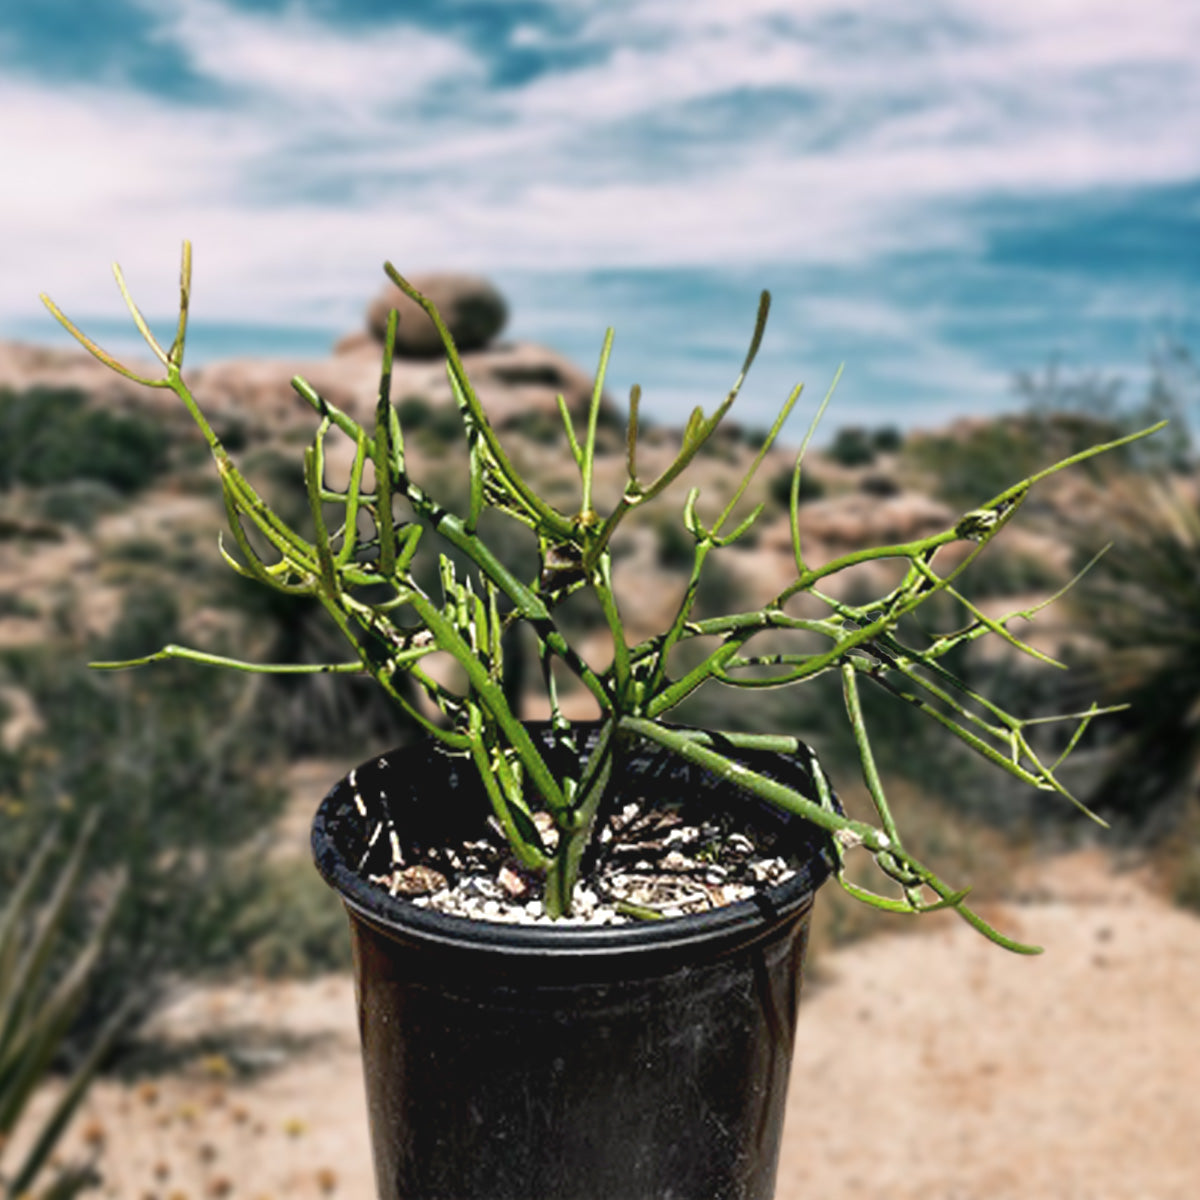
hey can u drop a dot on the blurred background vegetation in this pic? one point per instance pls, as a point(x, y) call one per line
point(107, 529)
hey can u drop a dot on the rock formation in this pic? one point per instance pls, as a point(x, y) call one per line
point(474, 312)
point(516, 381)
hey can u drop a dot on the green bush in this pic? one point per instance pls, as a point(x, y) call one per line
point(39, 995)
point(1065, 415)
point(1095, 401)
point(879, 485)
point(49, 435)
point(305, 713)
point(720, 589)
point(1004, 572)
point(146, 551)
point(183, 788)
point(675, 547)
point(887, 439)
point(538, 425)
point(779, 487)
point(961, 470)
point(12, 605)
point(1137, 608)
point(439, 424)
point(852, 446)
point(79, 503)
point(1186, 891)
point(295, 926)
point(414, 412)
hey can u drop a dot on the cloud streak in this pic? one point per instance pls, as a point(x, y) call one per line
point(816, 135)
point(296, 65)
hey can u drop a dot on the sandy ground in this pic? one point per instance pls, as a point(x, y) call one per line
point(928, 1065)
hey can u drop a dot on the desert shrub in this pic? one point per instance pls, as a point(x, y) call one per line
point(1096, 400)
point(1186, 891)
point(720, 590)
point(49, 435)
point(149, 619)
point(887, 439)
point(12, 605)
point(1137, 609)
point(143, 550)
point(537, 425)
point(182, 795)
point(147, 558)
point(233, 432)
point(1004, 572)
point(1065, 414)
point(78, 502)
point(414, 412)
point(752, 436)
point(879, 485)
point(675, 547)
point(969, 467)
point(304, 713)
point(852, 446)
point(965, 468)
point(294, 926)
point(438, 424)
point(779, 487)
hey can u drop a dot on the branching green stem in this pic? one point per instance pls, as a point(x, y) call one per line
point(340, 564)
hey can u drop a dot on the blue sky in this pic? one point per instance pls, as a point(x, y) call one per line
point(939, 194)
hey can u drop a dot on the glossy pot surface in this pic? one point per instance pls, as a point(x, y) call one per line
point(647, 1061)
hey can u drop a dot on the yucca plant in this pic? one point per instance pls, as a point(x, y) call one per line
point(1138, 612)
point(38, 1001)
point(357, 558)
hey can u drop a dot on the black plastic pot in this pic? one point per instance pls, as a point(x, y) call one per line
point(640, 1062)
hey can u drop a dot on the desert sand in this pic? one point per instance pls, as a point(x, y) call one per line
point(928, 1064)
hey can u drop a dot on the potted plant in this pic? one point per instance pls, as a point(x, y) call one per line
point(577, 1036)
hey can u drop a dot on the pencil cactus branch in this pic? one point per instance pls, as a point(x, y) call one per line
point(369, 585)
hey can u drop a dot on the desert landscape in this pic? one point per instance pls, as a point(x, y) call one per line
point(928, 1063)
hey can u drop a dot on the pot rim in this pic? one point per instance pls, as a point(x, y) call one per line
point(400, 919)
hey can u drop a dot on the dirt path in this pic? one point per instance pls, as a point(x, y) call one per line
point(935, 1067)
point(929, 1066)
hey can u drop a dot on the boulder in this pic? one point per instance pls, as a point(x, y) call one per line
point(474, 312)
point(359, 342)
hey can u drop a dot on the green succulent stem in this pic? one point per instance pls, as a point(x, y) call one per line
point(369, 585)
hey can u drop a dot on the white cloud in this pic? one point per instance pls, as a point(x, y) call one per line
point(91, 171)
point(301, 64)
point(634, 81)
point(330, 155)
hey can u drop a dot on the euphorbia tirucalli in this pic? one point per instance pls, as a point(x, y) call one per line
point(360, 566)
